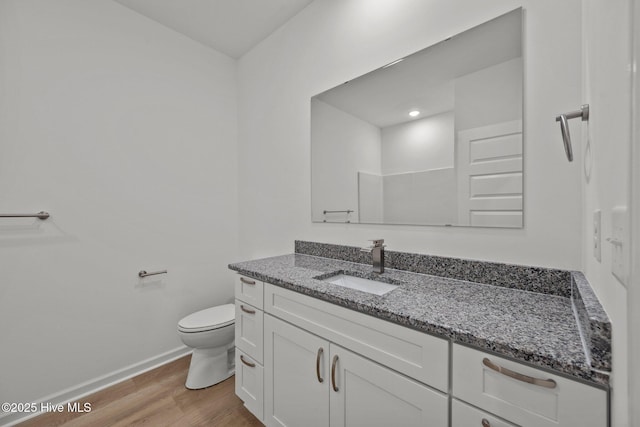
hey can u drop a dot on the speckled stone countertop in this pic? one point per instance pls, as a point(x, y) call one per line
point(532, 327)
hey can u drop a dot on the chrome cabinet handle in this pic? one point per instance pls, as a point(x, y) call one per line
point(247, 281)
point(246, 310)
point(486, 423)
point(249, 364)
point(333, 373)
point(548, 383)
point(318, 356)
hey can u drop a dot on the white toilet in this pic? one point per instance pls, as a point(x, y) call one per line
point(210, 333)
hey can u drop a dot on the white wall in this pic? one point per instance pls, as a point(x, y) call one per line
point(419, 182)
point(343, 145)
point(332, 41)
point(489, 96)
point(427, 197)
point(126, 133)
point(370, 198)
point(607, 89)
point(419, 145)
point(633, 302)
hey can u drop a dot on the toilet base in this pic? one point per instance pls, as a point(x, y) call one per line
point(209, 366)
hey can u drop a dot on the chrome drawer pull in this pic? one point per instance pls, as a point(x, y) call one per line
point(249, 364)
point(246, 310)
point(333, 373)
point(549, 383)
point(486, 423)
point(318, 356)
point(247, 281)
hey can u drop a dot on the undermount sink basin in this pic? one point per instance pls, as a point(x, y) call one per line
point(360, 284)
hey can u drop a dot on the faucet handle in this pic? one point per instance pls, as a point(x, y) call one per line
point(377, 242)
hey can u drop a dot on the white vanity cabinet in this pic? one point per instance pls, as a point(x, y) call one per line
point(310, 381)
point(415, 354)
point(521, 394)
point(301, 361)
point(249, 335)
point(316, 372)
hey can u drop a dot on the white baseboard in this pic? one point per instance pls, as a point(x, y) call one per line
point(81, 390)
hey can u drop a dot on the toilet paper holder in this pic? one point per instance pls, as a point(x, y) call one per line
point(143, 273)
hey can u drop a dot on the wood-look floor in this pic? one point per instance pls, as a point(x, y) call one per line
point(157, 398)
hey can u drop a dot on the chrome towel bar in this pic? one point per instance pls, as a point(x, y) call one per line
point(348, 211)
point(583, 113)
point(41, 215)
point(143, 273)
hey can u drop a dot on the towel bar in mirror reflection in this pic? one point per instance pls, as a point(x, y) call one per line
point(334, 216)
point(40, 215)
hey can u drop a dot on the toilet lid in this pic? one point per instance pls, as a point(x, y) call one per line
point(210, 318)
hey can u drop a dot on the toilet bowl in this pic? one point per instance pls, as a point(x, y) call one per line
point(210, 333)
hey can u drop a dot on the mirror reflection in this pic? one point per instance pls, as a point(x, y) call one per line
point(432, 139)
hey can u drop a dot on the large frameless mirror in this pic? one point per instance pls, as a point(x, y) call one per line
point(432, 139)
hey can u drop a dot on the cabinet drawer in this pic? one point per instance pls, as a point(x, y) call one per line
point(552, 401)
point(250, 291)
point(249, 330)
point(413, 353)
point(250, 383)
point(463, 415)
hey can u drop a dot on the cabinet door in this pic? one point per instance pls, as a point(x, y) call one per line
point(296, 376)
point(363, 393)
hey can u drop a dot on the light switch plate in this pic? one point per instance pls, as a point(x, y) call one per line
point(620, 243)
point(597, 237)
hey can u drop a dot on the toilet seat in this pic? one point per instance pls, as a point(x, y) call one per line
point(208, 319)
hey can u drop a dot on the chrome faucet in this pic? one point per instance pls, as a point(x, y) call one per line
point(377, 255)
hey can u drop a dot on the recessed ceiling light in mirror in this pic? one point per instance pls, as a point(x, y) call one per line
point(414, 113)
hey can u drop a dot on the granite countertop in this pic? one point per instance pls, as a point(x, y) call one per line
point(533, 327)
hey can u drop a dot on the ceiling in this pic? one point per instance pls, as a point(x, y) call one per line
point(232, 27)
point(425, 80)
